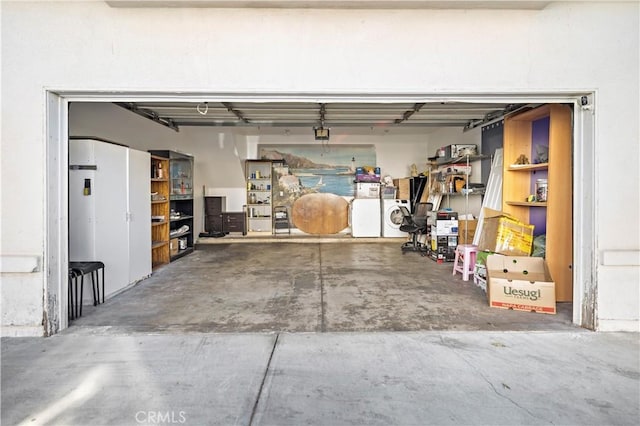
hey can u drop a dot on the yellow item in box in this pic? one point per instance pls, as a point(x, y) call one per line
point(504, 234)
point(520, 283)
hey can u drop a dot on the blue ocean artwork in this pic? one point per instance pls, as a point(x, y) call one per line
point(335, 181)
point(320, 168)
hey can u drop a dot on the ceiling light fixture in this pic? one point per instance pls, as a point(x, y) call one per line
point(321, 133)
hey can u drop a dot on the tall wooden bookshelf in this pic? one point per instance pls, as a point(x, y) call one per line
point(530, 133)
point(159, 211)
point(259, 212)
point(179, 173)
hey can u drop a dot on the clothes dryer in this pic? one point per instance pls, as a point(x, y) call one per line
point(391, 216)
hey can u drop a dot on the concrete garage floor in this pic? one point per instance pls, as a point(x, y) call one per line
point(214, 339)
point(309, 287)
point(328, 379)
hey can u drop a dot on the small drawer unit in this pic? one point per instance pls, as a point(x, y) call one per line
point(233, 222)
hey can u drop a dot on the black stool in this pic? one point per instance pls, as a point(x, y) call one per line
point(71, 306)
point(80, 269)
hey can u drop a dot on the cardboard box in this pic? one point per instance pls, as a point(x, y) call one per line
point(403, 192)
point(443, 248)
point(446, 215)
point(520, 283)
point(446, 227)
point(367, 190)
point(466, 231)
point(502, 233)
point(367, 174)
point(174, 245)
point(388, 192)
point(402, 186)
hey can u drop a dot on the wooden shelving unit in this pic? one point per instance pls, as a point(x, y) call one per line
point(259, 214)
point(159, 208)
point(548, 125)
point(180, 195)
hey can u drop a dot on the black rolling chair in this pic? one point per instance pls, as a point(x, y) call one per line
point(416, 226)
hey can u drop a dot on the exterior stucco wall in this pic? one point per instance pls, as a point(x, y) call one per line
point(91, 47)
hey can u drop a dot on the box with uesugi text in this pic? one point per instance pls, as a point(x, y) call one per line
point(520, 283)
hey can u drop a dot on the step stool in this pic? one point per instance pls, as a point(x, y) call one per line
point(465, 260)
point(79, 270)
point(281, 219)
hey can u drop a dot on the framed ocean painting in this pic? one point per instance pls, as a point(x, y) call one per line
point(321, 168)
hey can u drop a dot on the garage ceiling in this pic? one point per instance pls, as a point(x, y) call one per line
point(306, 115)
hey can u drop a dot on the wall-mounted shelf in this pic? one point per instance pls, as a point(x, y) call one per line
point(458, 160)
point(526, 203)
point(528, 167)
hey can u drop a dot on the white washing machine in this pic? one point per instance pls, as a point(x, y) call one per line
point(392, 217)
point(365, 217)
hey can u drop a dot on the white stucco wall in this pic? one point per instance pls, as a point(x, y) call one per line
point(89, 46)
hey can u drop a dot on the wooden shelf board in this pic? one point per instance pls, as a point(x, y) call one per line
point(528, 167)
point(180, 235)
point(159, 180)
point(526, 203)
point(181, 253)
point(164, 222)
point(158, 244)
point(159, 201)
point(182, 218)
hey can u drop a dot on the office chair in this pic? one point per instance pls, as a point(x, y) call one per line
point(416, 225)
